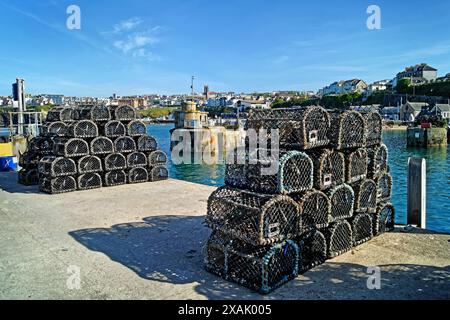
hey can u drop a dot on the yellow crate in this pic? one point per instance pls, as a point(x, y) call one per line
point(6, 149)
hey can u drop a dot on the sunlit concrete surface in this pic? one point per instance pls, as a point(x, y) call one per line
point(144, 241)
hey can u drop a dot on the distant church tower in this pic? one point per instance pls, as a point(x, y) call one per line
point(206, 91)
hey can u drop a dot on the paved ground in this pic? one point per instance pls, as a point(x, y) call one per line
point(144, 242)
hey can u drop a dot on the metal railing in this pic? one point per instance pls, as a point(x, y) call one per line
point(30, 126)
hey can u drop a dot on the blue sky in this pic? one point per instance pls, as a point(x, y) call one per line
point(147, 46)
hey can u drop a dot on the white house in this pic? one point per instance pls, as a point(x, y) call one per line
point(381, 85)
point(442, 109)
point(345, 86)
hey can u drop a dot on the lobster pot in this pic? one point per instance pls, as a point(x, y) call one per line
point(137, 128)
point(29, 160)
point(115, 178)
point(339, 238)
point(314, 209)
point(158, 173)
point(57, 185)
point(341, 199)
point(377, 160)
point(258, 219)
point(299, 128)
point(101, 145)
point(113, 129)
point(374, 125)
point(262, 269)
point(52, 167)
point(136, 159)
point(73, 147)
point(28, 177)
point(146, 143)
point(347, 129)
point(89, 164)
point(115, 161)
point(93, 113)
point(384, 187)
point(123, 113)
point(365, 196)
point(82, 129)
point(41, 145)
point(55, 129)
point(292, 173)
point(157, 157)
point(312, 248)
point(64, 114)
point(356, 165)
point(124, 145)
point(361, 228)
point(137, 175)
point(329, 168)
point(214, 253)
point(384, 219)
point(89, 181)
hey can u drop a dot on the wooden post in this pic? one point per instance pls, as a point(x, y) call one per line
point(417, 190)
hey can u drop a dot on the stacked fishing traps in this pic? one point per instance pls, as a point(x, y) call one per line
point(329, 191)
point(90, 147)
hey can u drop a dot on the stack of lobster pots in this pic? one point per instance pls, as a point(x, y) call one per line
point(282, 212)
point(88, 147)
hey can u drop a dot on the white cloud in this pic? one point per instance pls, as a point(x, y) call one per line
point(127, 25)
point(135, 41)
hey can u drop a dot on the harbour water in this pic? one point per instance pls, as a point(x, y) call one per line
point(438, 174)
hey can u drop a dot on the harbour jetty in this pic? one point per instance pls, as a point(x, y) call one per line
point(142, 246)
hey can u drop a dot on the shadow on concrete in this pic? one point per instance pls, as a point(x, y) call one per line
point(9, 183)
point(169, 249)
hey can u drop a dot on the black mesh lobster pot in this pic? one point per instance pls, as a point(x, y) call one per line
point(55, 129)
point(28, 177)
point(94, 113)
point(146, 143)
point(365, 196)
point(115, 161)
point(137, 128)
point(347, 130)
point(378, 160)
point(114, 129)
point(89, 181)
point(74, 147)
point(339, 238)
point(292, 173)
point(262, 269)
point(361, 228)
point(259, 219)
point(82, 129)
point(215, 253)
point(384, 219)
point(29, 159)
point(137, 175)
point(64, 114)
point(236, 175)
point(356, 165)
point(136, 159)
point(374, 126)
point(102, 145)
point(123, 113)
point(329, 168)
point(314, 209)
point(41, 145)
point(384, 186)
point(157, 157)
point(89, 164)
point(312, 248)
point(57, 185)
point(52, 167)
point(124, 144)
point(158, 173)
point(299, 128)
point(115, 178)
point(342, 199)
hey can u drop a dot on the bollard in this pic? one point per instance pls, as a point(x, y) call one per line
point(417, 188)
